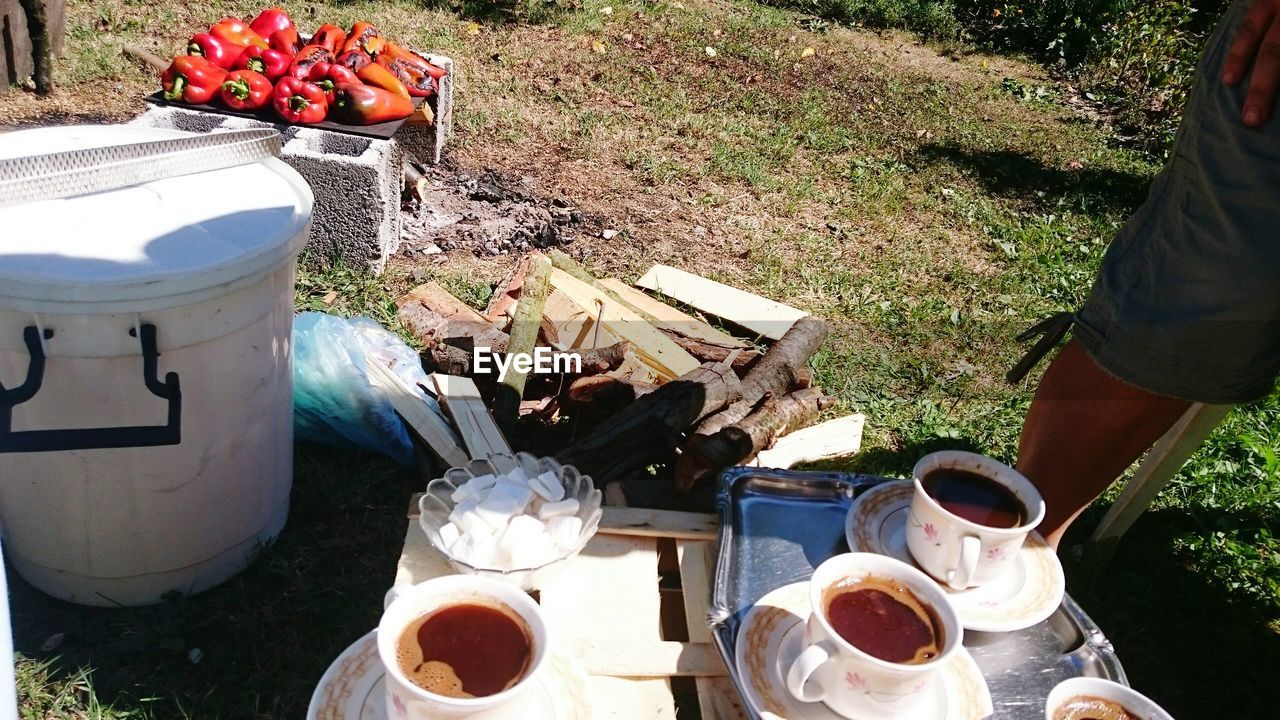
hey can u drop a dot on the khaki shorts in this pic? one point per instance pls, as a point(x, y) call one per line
point(1187, 302)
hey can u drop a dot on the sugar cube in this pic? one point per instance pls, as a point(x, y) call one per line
point(557, 509)
point(449, 533)
point(463, 508)
point(517, 476)
point(471, 487)
point(502, 503)
point(471, 521)
point(537, 551)
point(476, 549)
point(548, 486)
point(565, 531)
point(521, 493)
point(520, 530)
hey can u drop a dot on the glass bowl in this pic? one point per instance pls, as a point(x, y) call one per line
point(436, 504)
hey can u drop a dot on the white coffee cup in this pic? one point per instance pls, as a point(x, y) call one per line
point(1128, 698)
point(407, 701)
point(850, 681)
point(959, 552)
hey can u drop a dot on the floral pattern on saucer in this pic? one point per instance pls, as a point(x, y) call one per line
point(776, 620)
point(1025, 594)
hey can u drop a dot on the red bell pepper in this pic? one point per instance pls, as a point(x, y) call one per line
point(357, 104)
point(219, 52)
point(298, 101)
point(307, 58)
point(414, 79)
point(355, 61)
point(237, 32)
point(285, 41)
point(271, 63)
point(365, 38)
point(396, 52)
point(330, 37)
point(378, 76)
point(246, 90)
point(271, 20)
point(192, 79)
point(329, 76)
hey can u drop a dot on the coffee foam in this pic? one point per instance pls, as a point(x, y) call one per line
point(901, 593)
point(439, 677)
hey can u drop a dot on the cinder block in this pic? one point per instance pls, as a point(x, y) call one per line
point(426, 142)
point(356, 182)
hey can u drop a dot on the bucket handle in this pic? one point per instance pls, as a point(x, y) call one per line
point(90, 438)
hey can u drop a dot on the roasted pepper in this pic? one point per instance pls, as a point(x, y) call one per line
point(298, 101)
point(329, 76)
point(246, 90)
point(415, 80)
point(237, 32)
point(355, 61)
point(219, 52)
point(306, 58)
point(330, 37)
point(285, 41)
point(365, 38)
point(192, 79)
point(378, 76)
point(357, 104)
point(396, 52)
point(271, 63)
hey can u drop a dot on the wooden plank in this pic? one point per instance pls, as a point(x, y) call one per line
point(760, 315)
point(650, 658)
point(833, 438)
point(643, 522)
point(720, 700)
point(670, 317)
point(461, 399)
point(655, 348)
point(610, 593)
point(696, 563)
point(16, 63)
point(430, 426)
point(567, 326)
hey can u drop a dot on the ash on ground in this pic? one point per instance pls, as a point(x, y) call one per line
point(485, 213)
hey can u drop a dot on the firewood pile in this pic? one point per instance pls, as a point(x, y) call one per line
point(657, 387)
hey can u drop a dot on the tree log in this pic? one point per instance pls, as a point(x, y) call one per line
point(505, 295)
point(524, 335)
point(775, 374)
point(597, 398)
point(41, 45)
point(433, 316)
point(705, 456)
point(714, 352)
point(649, 430)
point(450, 359)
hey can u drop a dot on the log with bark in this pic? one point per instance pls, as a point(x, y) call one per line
point(433, 316)
point(650, 429)
point(453, 360)
point(524, 335)
point(705, 456)
point(594, 399)
point(715, 352)
point(780, 370)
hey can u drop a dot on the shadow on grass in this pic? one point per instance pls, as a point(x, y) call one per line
point(1013, 175)
point(1185, 640)
point(266, 636)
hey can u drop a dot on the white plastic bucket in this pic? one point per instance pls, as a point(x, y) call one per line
point(97, 505)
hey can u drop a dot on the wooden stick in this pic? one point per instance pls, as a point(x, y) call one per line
point(669, 318)
point(432, 428)
point(504, 298)
point(711, 352)
point(139, 53)
point(524, 334)
point(761, 315)
point(706, 455)
point(461, 398)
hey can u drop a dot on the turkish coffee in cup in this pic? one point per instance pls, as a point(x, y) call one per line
point(466, 650)
point(883, 618)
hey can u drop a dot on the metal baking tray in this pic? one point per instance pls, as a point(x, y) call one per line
point(776, 526)
point(382, 130)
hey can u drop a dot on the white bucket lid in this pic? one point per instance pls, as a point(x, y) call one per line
point(160, 244)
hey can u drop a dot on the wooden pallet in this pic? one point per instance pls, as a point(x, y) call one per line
point(648, 649)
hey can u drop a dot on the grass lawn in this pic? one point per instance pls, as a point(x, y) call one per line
point(929, 202)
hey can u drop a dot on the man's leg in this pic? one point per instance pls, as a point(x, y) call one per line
point(1084, 428)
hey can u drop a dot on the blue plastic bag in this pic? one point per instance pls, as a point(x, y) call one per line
point(334, 402)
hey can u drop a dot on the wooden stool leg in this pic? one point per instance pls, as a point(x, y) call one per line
point(1163, 461)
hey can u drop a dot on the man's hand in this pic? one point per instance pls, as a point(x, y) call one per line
point(1257, 43)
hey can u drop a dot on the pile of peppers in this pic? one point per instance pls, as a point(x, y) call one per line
point(357, 77)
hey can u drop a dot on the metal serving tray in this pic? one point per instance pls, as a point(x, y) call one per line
point(776, 526)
